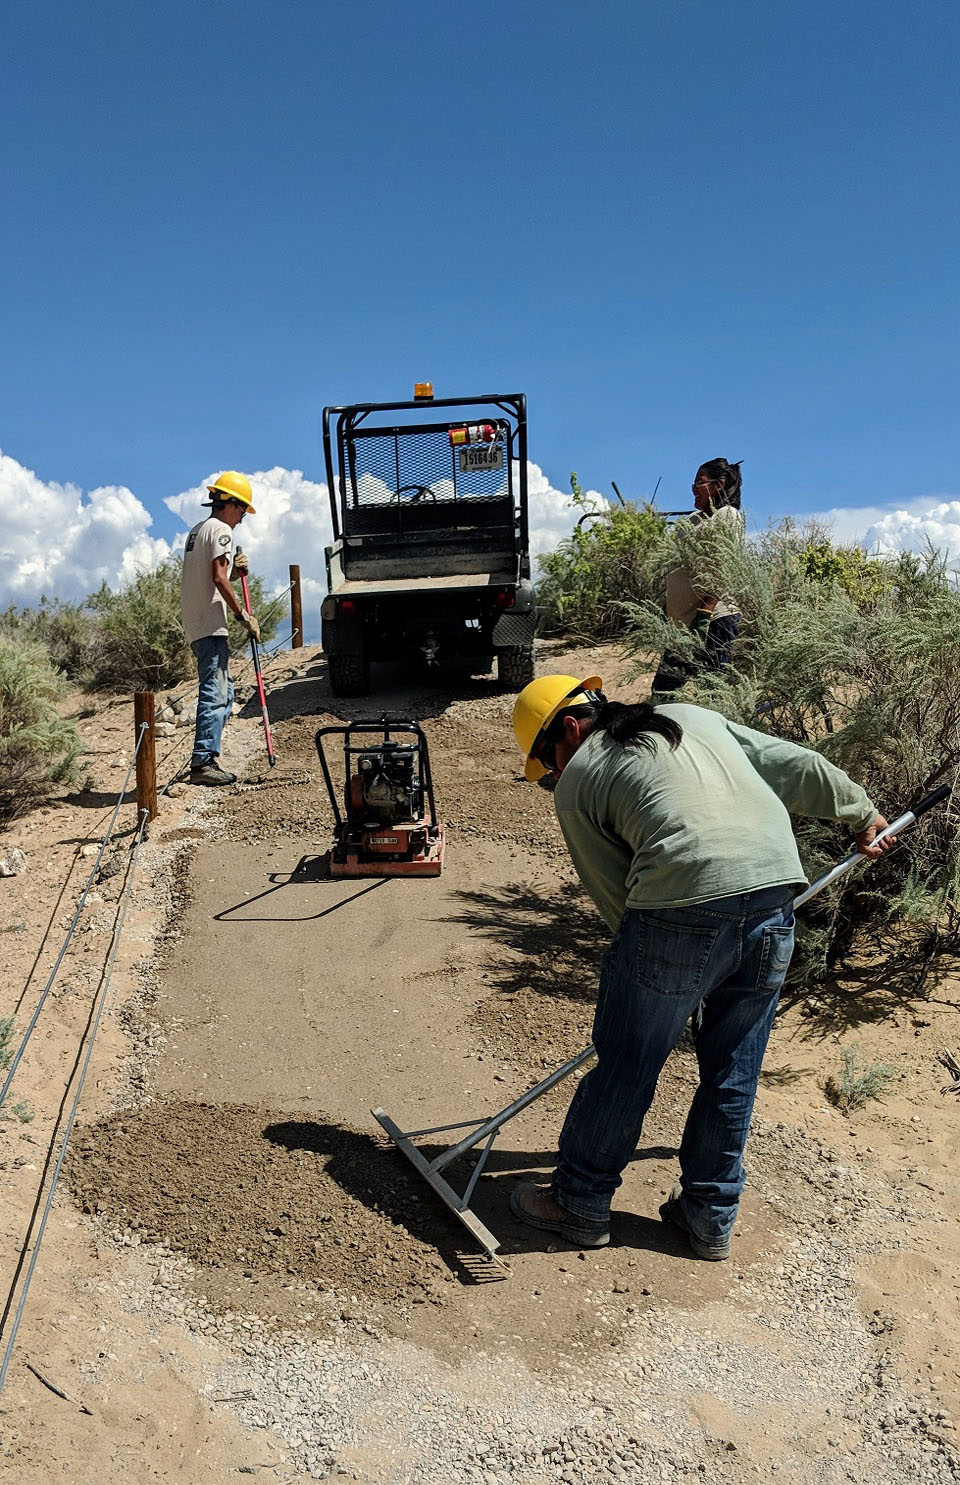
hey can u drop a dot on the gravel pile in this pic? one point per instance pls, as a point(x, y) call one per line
point(683, 1394)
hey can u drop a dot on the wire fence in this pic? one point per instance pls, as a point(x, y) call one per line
point(71, 1118)
point(78, 1073)
point(15, 1063)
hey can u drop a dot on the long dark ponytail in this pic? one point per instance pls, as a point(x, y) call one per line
point(638, 724)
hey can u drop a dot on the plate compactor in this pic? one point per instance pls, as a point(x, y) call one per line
point(388, 825)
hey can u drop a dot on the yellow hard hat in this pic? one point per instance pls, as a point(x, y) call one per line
point(234, 486)
point(538, 704)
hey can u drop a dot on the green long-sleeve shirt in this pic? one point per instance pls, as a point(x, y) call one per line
point(708, 819)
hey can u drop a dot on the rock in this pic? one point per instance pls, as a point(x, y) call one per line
point(89, 850)
point(187, 715)
point(166, 714)
point(12, 862)
point(177, 791)
point(164, 729)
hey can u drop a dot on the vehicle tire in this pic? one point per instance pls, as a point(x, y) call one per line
point(349, 675)
point(515, 666)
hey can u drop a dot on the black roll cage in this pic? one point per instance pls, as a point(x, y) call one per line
point(349, 418)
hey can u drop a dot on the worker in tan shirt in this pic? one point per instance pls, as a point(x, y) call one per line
point(713, 618)
point(209, 564)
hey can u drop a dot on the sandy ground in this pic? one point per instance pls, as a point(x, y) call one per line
point(259, 1010)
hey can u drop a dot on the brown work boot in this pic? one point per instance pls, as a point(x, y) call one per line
point(671, 1211)
point(211, 773)
point(538, 1207)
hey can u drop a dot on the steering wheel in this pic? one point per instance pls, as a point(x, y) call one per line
point(421, 491)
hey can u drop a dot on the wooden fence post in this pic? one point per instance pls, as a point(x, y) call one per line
point(296, 607)
point(143, 711)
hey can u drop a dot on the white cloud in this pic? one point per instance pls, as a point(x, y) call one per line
point(55, 541)
point(552, 517)
point(59, 542)
point(913, 527)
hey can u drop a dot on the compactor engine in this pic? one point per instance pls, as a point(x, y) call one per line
point(386, 818)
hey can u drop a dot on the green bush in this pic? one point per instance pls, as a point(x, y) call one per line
point(67, 631)
point(860, 660)
point(581, 585)
point(140, 644)
point(857, 1083)
point(38, 749)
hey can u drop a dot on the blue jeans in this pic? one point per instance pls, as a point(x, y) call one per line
point(675, 670)
point(214, 699)
point(731, 954)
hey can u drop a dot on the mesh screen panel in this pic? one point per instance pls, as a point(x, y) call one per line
point(417, 466)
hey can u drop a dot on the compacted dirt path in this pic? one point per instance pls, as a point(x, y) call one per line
point(253, 1280)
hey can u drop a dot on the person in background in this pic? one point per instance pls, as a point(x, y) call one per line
point(715, 621)
point(209, 565)
point(678, 824)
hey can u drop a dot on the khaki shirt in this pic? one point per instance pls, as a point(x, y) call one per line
point(683, 599)
point(203, 607)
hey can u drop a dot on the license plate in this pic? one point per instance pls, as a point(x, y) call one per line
point(480, 456)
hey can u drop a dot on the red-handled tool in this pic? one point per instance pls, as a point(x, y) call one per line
point(271, 756)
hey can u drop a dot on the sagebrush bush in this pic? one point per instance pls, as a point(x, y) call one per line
point(857, 1083)
point(38, 749)
point(67, 631)
point(140, 643)
point(581, 585)
point(859, 658)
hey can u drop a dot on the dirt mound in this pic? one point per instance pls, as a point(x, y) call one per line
point(262, 1194)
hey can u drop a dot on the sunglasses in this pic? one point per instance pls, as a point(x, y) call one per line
point(546, 753)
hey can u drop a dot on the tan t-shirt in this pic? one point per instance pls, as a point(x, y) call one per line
point(204, 609)
point(683, 599)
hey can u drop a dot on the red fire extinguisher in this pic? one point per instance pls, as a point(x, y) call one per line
point(472, 433)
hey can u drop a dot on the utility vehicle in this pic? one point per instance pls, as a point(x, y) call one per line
point(431, 554)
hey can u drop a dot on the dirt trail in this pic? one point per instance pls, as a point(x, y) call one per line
point(281, 1005)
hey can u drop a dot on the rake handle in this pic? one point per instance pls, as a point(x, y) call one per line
point(255, 650)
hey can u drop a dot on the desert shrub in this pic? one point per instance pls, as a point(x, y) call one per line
point(581, 585)
point(860, 660)
point(140, 644)
point(67, 631)
point(38, 749)
point(856, 1083)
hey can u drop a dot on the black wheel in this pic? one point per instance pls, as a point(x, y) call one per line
point(515, 666)
point(349, 675)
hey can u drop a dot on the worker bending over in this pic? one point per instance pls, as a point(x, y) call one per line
point(678, 824)
point(209, 565)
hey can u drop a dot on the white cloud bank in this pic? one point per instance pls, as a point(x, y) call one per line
point(913, 527)
point(58, 542)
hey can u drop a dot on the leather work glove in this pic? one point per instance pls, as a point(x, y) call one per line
point(240, 563)
point(250, 624)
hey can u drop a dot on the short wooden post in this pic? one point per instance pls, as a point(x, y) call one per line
point(143, 712)
point(296, 607)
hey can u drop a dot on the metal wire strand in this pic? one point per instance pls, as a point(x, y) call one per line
point(76, 918)
point(71, 1118)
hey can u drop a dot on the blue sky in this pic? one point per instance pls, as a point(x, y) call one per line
point(682, 229)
